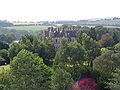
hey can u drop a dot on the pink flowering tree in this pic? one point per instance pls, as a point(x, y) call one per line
point(85, 84)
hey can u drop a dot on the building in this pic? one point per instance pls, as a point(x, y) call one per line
point(57, 34)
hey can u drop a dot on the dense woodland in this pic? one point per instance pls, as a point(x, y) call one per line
point(36, 65)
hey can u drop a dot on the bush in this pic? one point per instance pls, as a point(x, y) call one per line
point(100, 78)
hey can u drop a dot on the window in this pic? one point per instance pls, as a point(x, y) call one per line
point(56, 40)
point(69, 39)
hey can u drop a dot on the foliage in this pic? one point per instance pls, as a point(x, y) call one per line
point(104, 50)
point(29, 72)
point(61, 80)
point(28, 41)
point(13, 34)
point(79, 72)
point(44, 49)
point(4, 54)
point(4, 78)
point(49, 52)
point(8, 38)
point(116, 37)
point(3, 45)
point(91, 47)
point(93, 34)
point(70, 54)
point(15, 48)
point(115, 81)
point(107, 62)
point(85, 84)
point(106, 40)
point(117, 47)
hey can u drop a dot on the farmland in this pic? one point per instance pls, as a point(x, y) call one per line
point(27, 28)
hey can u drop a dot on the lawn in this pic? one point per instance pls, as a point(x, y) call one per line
point(34, 28)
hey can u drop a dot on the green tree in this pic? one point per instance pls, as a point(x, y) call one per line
point(29, 71)
point(3, 45)
point(93, 34)
point(28, 41)
point(80, 72)
point(115, 81)
point(8, 38)
point(107, 62)
point(70, 54)
point(15, 48)
point(5, 78)
point(44, 49)
point(61, 80)
point(91, 46)
point(4, 54)
point(50, 52)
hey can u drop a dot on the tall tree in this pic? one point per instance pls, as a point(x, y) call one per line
point(93, 34)
point(44, 49)
point(29, 71)
point(61, 80)
point(91, 46)
point(15, 48)
point(70, 54)
point(107, 62)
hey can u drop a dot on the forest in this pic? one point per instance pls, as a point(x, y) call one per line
point(34, 64)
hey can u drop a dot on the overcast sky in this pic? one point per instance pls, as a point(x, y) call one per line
point(38, 10)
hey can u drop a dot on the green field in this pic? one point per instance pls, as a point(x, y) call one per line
point(34, 28)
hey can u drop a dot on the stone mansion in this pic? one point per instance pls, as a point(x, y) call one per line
point(57, 34)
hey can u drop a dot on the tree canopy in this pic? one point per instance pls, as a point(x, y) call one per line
point(29, 72)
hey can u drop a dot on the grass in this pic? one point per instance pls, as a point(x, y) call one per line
point(33, 28)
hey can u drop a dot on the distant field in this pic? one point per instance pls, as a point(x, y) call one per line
point(34, 28)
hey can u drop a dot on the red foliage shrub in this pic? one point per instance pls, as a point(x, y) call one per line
point(85, 84)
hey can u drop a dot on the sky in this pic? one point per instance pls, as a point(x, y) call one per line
point(50, 10)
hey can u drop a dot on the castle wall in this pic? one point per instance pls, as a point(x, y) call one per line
point(56, 34)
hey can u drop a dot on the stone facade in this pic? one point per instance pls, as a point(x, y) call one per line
point(57, 34)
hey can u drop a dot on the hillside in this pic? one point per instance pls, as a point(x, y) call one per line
point(90, 22)
point(101, 22)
